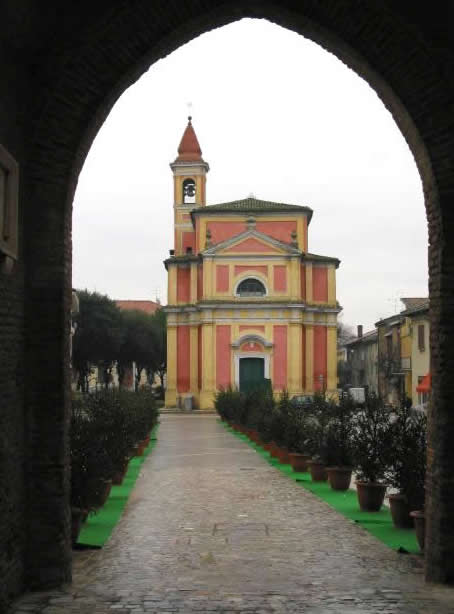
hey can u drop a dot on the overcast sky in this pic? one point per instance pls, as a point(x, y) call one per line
point(276, 116)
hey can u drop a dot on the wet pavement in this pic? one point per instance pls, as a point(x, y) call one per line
point(212, 527)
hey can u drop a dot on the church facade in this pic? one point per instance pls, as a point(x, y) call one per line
point(247, 301)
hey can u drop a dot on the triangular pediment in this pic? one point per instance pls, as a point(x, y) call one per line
point(251, 242)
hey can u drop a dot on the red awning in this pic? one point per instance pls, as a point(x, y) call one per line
point(425, 385)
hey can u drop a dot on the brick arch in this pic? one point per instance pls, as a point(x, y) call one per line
point(81, 80)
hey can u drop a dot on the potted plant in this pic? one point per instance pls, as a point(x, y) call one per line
point(315, 436)
point(277, 431)
point(408, 469)
point(339, 445)
point(86, 470)
point(373, 448)
point(296, 436)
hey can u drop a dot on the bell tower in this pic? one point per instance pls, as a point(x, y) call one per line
point(189, 178)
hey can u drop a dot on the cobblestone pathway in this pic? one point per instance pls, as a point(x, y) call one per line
point(211, 527)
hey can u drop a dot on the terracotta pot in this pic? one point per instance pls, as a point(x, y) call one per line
point(370, 495)
point(273, 449)
point(276, 452)
point(420, 526)
point(140, 448)
point(339, 477)
point(400, 511)
point(118, 477)
point(76, 523)
point(106, 492)
point(283, 456)
point(299, 461)
point(318, 471)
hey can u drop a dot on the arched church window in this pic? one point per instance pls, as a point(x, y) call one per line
point(189, 191)
point(251, 287)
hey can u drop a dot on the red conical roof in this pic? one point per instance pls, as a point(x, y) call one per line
point(189, 148)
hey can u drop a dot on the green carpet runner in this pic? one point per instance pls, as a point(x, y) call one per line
point(99, 525)
point(380, 523)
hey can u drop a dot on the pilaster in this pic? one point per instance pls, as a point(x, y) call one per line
point(172, 285)
point(309, 357)
point(193, 373)
point(193, 281)
point(209, 352)
point(294, 378)
point(331, 357)
point(309, 285)
point(331, 285)
point(295, 282)
point(171, 390)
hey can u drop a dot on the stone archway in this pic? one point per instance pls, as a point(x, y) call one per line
point(92, 58)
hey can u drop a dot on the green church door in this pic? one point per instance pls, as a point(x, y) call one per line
point(252, 373)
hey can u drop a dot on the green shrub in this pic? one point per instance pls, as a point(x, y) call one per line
point(408, 467)
point(226, 403)
point(340, 433)
point(104, 428)
point(261, 406)
point(373, 440)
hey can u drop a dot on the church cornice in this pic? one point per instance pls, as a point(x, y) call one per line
point(249, 206)
point(187, 166)
point(251, 233)
point(315, 258)
point(184, 259)
point(259, 305)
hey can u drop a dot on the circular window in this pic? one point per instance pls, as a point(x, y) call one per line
point(251, 287)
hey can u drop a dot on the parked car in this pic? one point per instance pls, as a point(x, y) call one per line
point(301, 400)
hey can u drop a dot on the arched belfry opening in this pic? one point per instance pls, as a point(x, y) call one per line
point(189, 189)
point(404, 53)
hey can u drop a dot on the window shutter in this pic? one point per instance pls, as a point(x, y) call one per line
point(421, 337)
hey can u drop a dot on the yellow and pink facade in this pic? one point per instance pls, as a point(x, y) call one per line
point(246, 299)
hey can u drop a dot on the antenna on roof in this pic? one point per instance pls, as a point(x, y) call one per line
point(395, 301)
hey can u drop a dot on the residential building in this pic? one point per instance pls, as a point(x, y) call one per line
point(404, 353)
point(418, 323)
point(360, 361)
point(391, 382)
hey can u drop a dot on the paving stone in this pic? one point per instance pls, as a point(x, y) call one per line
point(201, 534)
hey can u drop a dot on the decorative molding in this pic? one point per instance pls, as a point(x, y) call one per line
point(257, 277)
point(252, 338)
point(251, 233)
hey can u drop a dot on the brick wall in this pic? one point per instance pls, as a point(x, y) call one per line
point(61, 74)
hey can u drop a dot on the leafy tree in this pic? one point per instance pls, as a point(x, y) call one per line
point(98, 336)
point(345, 332)
point(138, 344)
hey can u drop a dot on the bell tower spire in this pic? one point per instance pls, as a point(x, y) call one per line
point(189, 178)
